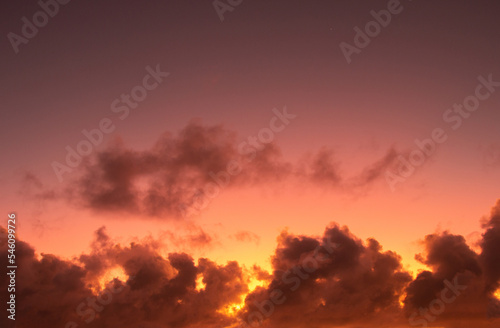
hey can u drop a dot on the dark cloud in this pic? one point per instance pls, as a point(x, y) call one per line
point(490, 255)
point(332, 280)
point(359, 285)
point(448, 256)
point(456, 269)
point(174, 174)
point(376, 170)
point(322, 168)
point(180, 175)
point(160, 292)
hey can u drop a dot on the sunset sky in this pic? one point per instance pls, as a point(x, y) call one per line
point(194, 153)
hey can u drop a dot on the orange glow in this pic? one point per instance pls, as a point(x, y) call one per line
point(401, 300)
point(199, 283)
point(111, 274)
point(232, 310)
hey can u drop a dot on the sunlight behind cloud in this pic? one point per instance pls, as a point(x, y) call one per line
point(111, 274)
point(232, 310)
point(199, 283)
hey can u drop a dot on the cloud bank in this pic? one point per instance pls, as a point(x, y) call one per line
point(332, 280)
point(181, 174)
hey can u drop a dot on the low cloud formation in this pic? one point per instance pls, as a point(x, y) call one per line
point(156, 291)
point(461, 284)
point(460, 287)
point(490, 255)
point(328, 281)
point(181, 174)
point(357, 284)
point(332, 280)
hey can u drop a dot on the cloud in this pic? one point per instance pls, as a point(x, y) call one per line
point(316, 281)
point(490, 256)
point(157, 291)
point(448, 256)
point(359, 285)
point(162, 181)
point(181, 174)
point(246, 237)
point(453, 262)
point(332, 280)
point(193, 238)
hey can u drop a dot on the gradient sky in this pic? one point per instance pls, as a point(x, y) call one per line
point(328, 165)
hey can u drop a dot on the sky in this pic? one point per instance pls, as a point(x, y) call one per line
point(189, 163)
